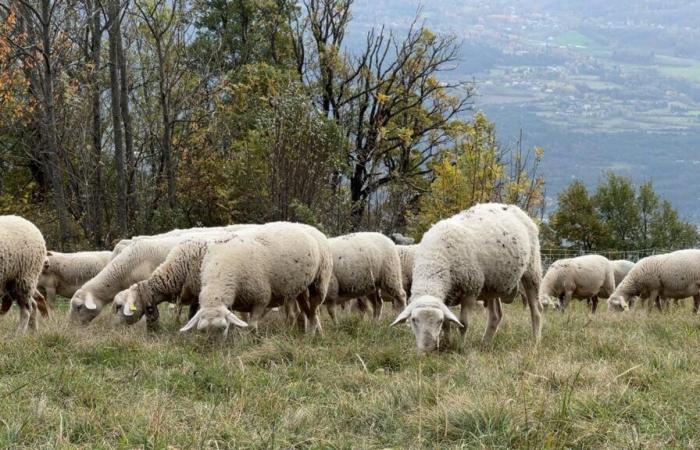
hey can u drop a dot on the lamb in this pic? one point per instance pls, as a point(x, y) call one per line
point(262, 268)
point(621, 267)
point(65, 273)
point(588, 277)
point(135, 263)
point(365, 264)
point(483, 253)
point(22, 255)
point(673, 275)
point(179, 275)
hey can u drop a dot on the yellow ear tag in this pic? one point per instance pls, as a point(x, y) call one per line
point(132, 307)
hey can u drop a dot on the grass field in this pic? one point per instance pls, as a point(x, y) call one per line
point(609, 381)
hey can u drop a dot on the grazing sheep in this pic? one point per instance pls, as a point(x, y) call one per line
point(621, 267)
point(483, 252)
point(673, 275)
point(135, 263)
point(586, 277)
point(65, 273)
point(365, 264)
point(22, 256)
point(179, 275)
point(262, 268)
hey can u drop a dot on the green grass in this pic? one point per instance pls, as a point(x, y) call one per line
point(609, 381)
point(690, 72)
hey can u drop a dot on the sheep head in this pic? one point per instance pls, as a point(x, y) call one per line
point(618, 303)
point(84, 306)
point(427, 315)
point(217, 319)
point(128, 306)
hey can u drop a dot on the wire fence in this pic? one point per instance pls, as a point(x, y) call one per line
point(551, 255)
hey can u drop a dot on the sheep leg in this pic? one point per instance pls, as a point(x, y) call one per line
point(257, 313)
point(315, 301)
point(594, 303)
point(533, 301)
point(362, 303)
point(32, 315)
point(696, 303)
point(51, 296)
point(333, 312)
point(24, 317)
point(465, 309)
point(495, 315)
point(377, 304)
point(565, 301)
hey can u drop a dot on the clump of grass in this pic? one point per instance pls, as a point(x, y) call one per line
point(604, 381)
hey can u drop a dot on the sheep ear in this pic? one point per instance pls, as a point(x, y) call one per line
point(449, 315)
point(129, 307)
point(235, 321)
point(192, 323)
point(90, 302)
point(404, 315)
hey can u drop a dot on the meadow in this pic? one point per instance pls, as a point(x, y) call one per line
point(604, 381)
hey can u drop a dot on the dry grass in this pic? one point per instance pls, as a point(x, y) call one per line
point(612, 381)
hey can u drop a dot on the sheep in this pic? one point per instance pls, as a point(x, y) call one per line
point(621, 267)
point(587, 277)
point(22, 256)
point(483, 253)
point(365, 264)
point(406, 254)
point(135, 263)
point(65, 273)
point(673, 275)
point(260, 268)
point(178, 274)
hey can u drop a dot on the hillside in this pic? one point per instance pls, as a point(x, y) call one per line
point(600, 85)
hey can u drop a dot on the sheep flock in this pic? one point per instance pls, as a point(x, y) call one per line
point(234, 276)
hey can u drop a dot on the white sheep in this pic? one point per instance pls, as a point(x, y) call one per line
point(178, 275)
point(22, 256)
point(483, 252)
point(365, 264)
point(621, 268)
point(261, 268)
point(673, 275)
point(585, 277)
point(65, 273)
point(135, 263)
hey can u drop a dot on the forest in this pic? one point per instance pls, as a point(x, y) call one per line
point(120, 118)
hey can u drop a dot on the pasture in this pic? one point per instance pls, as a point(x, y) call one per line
point(609, 381)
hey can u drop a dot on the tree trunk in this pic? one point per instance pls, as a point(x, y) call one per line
point(51, 131)
point(95, 192)
point(114, 36)
point(132, 204)
point(167, 129)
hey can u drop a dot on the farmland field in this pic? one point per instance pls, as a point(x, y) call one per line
point(609, 381)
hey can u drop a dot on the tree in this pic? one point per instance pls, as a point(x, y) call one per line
point(647, 203)
point(473, 171)
point(576, 218)
point(668, 232)
point(396, 114)
point(617, 205)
